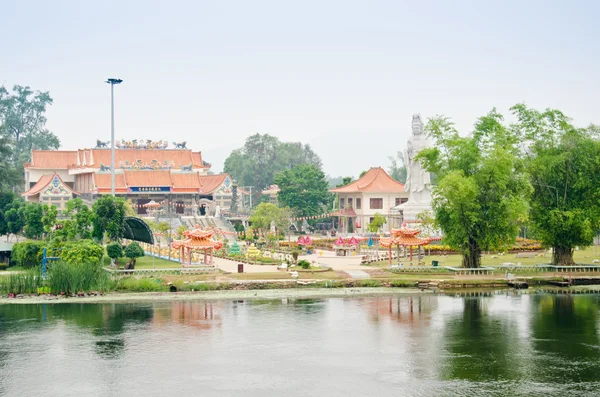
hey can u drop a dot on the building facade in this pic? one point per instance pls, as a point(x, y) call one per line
point(375, 192)
point(178, 179)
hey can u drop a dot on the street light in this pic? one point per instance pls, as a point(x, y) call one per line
point(112, 83)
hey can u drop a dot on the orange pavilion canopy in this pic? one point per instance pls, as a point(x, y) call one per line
point(404, 237)
point(198, 239)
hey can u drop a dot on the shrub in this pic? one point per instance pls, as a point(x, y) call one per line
point(304, 264)
point(140, 285)
point(295, 255)
point(133, 251)
point(114, 251)
point(28, 253)
point(82, 251)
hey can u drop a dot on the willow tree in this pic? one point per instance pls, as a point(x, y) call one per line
point(564, 165)
point(482, 190)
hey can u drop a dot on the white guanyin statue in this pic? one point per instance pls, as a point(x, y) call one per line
point(418, 181)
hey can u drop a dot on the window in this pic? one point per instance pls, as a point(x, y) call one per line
point(350, 203)
point(342, 202)
point(401, 200)
point(376, 203)
point(358, 204)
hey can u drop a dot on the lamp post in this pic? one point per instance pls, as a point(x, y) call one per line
point(112, 83)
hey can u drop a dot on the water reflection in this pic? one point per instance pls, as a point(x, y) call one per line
point(496, 344)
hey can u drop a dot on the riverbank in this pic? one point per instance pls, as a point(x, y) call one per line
point(295, 293)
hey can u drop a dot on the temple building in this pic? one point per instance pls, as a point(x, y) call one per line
point(144, 174)
point(359, 201)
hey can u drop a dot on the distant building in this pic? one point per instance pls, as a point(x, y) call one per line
point(359, 201)
point(272, 192)
point(176, 176)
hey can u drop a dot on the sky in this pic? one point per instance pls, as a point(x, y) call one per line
point(343, 76)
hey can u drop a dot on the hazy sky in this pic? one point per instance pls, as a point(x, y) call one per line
point(343, 76)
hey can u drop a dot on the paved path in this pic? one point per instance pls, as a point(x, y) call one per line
point(358, 274)
point(337, 262)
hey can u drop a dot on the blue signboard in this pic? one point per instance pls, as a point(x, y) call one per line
point(150, 189)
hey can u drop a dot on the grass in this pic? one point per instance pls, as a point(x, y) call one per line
point(146, 262)
point(26, 282)
point(72, 279)
point(585, 256)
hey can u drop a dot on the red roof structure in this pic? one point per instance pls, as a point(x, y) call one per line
point(51, 185)
point(197, 239)
point(405, 238)
point(376, 180)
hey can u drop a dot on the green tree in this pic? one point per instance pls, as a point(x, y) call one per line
point(15, 219)
point(33, 214)
point(114, 251)
point(82, 252)
point(377, 223)
point(109, 216)
point(23, 125)
point(266, 214)
point(303, 189)
point(80, 219)
point(6, 199)
point(264, 156)
point(397, 168)
point(49, 214)
point(564, 164)
point(483, 188)
point(133, 251)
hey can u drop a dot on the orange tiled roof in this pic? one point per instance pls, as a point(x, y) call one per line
point(102, 183)
point(183, 157)
point(185, 182)
point(52, 159)
point(376, 180)
point(404, 237)
point(210, 183)
point(43, 182)
point(148, 178)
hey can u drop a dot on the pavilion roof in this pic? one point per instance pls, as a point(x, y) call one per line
point(198, 239)
point(376, 180)
point(404, 237)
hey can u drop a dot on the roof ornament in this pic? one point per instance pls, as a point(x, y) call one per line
point(101, 144)
point(180, 145)
point(141, 144)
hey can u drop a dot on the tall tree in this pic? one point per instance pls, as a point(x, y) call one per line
point(303, 189)
point(23, 125)
point(79, 226)
point(483, 188)
point(264, 156)
point(564, 165)
point(397, 168)
point(109, 216)
point(33, 214)
point(15, 218)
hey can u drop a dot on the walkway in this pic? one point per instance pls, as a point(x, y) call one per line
point(358, 274)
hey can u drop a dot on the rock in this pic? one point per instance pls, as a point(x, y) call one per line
point(596, 261)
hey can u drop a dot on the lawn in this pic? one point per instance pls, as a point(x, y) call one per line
point(146, 262)
point(581, 256)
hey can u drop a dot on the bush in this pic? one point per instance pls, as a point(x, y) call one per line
point(133, 251)
point(140, 285)
point(114, 251)
point(82, 251)
point(304, 264)
point(28, 253)
point(295, 255)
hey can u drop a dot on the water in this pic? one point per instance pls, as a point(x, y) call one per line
point(401, 346)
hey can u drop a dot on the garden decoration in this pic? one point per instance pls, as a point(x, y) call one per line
point(235, 249)
point(197, 239)
point(253, 252)
point(405, 238)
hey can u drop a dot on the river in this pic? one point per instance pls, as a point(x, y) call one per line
point(423, 345)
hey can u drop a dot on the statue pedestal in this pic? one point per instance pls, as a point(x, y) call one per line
point(410, 209)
